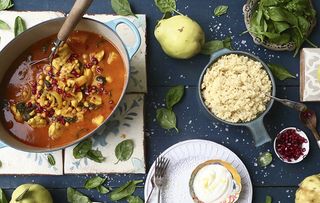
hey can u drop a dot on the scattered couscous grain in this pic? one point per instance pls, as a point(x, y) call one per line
point(235, 88)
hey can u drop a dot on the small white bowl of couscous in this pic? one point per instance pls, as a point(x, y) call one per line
point(235, 88)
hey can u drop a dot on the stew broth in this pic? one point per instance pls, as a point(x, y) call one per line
point(51, 106)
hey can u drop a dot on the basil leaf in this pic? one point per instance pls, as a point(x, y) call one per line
point(268, 199)
point(220, 10)
point(134, 199)
point(124, 191)
point(19, 26)
point(215, 45)
point(95, 155)
point(167, 119)
point(280, 72)
point(174, 95)
point(51, 160)
point(124, 150)
point(22, 195)
point(5, 4)
point(94, 182)
point(82, 149)
point(4, 25)
point(0, 164)
point(3, 198)
point(121, 7)
point(265, 159)
point(102, 190)
point(74, 196)
point(166, 6)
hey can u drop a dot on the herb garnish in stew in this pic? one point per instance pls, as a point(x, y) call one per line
point(52, 105)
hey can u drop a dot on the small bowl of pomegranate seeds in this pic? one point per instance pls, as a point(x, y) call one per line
point(291, 145)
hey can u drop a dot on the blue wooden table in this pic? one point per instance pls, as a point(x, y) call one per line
point(279, 180)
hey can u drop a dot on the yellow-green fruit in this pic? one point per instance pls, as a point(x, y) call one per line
point(309, 190)
point(35, 194)
point(179, 36)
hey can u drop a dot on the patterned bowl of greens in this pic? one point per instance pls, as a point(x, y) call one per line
point(280, 25)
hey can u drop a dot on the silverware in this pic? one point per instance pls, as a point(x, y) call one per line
point(309, 119)
point(292, 104)
point(161, 165)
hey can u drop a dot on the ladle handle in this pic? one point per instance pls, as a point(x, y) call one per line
point(76, 13)
point(316, 135)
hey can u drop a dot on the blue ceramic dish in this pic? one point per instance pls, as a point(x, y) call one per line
point(256, 126)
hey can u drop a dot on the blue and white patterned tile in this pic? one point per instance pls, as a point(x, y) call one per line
point(138, 73)
point(126, 123)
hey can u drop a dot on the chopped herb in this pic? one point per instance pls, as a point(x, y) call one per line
point(47, 83)
point(268, 199)
point(70, 119)
point(74, 196)
point(4, 25)
point(124, 191)
point(174, 95)
point(19, 26)
point(220, 10)
point(124, 150)
point(121, 7)
point(134, 199)
point(3, 198)
point(51, 160)
point(5, 4)
point(280, 72)
point(167, 119)
point(265, 159)
point(101, 79)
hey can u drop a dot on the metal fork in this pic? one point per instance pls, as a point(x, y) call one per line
point(157, 180)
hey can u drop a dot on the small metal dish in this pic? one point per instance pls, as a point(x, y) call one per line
point(304, 145)
point(248, 10)
point(256, 126)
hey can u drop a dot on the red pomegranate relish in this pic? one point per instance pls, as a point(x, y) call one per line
point(289, 145)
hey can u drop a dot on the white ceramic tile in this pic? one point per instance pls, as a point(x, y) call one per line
point(31, 18)
point(138, 74)
point(126, 123)
point(17, 162)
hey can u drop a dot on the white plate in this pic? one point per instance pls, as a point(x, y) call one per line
point(184, 157)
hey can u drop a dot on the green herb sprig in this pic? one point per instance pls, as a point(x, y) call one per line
point(51, 159)
point(280, 72)
point(165, 116)
point(268, 199)
point(4, 25)
point(121, 7)
point(5, 4)
point(19, 26)
point(97, 183)
point(215, 45)
point(74, 196)
point(220, 10)
point(265, 159)
point(124, 191)
point(3, 198)
point(167, 6)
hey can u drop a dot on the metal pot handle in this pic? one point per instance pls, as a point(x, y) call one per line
point(259, 132)
point(218, 53)
point(2, 145)
point(113, 25)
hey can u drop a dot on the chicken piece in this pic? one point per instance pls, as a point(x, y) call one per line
point(99, 55)
point(95, 99)
point(112, 56)
point(64, 54)
point(37, 122)
point(17, 115)
point(98, 120)
point(54, 130)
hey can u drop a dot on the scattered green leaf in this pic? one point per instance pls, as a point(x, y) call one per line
point(82, 149)
point(121, 7)
point(124, 191)
point(19, 26)
point(22, 195)
point(220, 10)
point(166, 6)
point(280, 72)
point(5, 4)
point(4, 25)
point(102, 190)
point(134, 199)
point(95, 155)
point(265, 159)
point(0, 164)
point(167, 119)
point(74, 196)
point(124, 150)
point(3, 198)
point(268, 199)
point(94, 182)
point(174, 95)
point(51, 160)
point(215, 45)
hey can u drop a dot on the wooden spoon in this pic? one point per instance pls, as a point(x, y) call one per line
point(309, 119)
